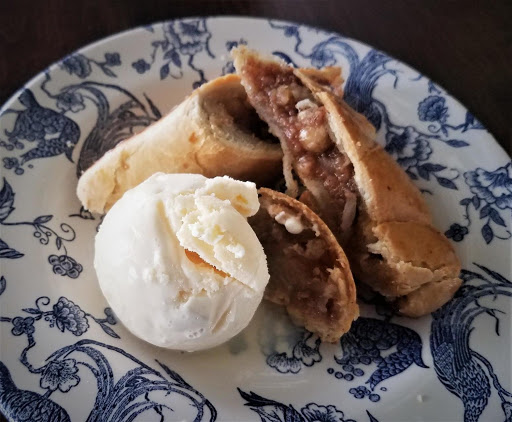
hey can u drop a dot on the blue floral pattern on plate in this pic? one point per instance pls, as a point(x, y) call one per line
point(182, 39)
point(492, 199)
point(62, 264)
point(56, 126)
point(81, 66)
point(119, 400)
point(273, 411)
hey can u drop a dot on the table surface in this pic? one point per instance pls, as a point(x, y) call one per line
point(464, 46)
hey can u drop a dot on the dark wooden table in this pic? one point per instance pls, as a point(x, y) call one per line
point(466, 46)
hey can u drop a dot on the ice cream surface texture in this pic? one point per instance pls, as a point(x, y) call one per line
point(178, 262)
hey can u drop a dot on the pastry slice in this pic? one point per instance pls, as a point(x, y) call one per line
point(213, 132)
point(369, 203)
point(309, 272)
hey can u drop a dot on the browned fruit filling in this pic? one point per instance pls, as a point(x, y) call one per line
point(305, 271)
point(294, 115)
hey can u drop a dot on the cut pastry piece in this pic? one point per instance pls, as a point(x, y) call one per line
point(352, 182)
point(309, 272)
point(299, 120)
point(214, 132)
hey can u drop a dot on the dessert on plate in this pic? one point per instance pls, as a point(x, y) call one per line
point(178, 262)
point(367, 200)
point(182, 245)
point(310, 274)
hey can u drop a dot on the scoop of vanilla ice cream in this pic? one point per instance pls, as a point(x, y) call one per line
point(178, 262)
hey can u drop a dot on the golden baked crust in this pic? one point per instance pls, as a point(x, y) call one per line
point(405, 256)
point(309, 272)
point(394, 248)
point(200, 135)
point(428, 297)
point(414, 253)
point(329, 78)
point(387, 192)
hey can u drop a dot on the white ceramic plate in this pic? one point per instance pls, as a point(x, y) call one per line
point(64, 357)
